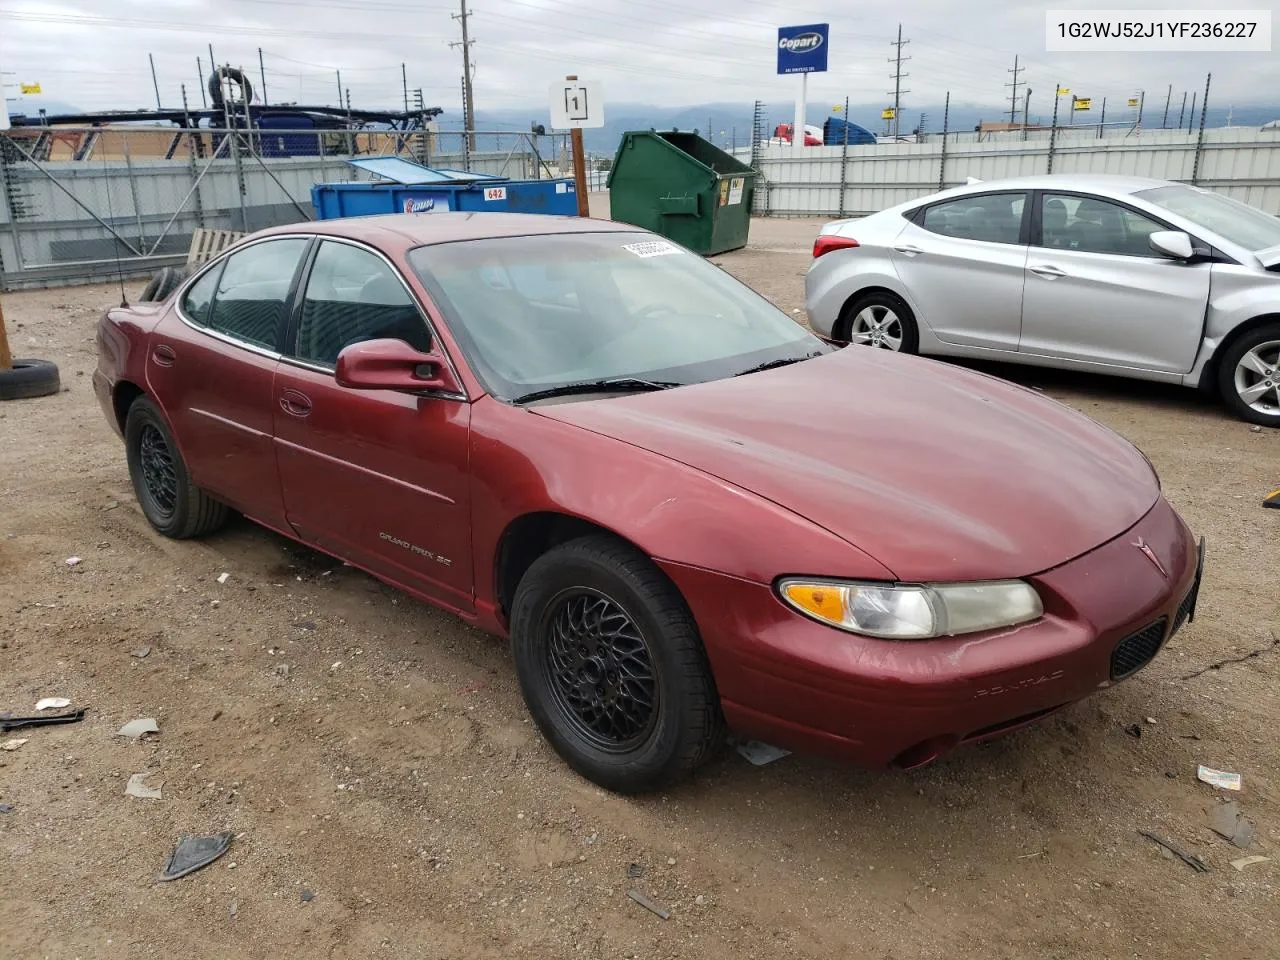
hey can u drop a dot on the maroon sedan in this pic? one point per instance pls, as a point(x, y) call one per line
point(683, 509)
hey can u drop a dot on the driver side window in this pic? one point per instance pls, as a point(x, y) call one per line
point(353, 295)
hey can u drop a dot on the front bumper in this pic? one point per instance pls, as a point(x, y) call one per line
point(798, 684)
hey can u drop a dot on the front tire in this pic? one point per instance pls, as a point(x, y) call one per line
point(612, 668)
point(172, 504)
point(879, 319)
point(1249, 376)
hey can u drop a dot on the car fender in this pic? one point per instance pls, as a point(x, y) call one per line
point(523, 463)
point(1237, 297)
point(837, 277)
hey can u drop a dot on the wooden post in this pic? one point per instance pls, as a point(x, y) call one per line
point(6, 358)
point(579, 169)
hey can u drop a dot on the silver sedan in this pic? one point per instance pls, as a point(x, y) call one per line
point(1119, 275)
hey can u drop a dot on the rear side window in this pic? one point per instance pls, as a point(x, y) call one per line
point(199, 298)
point(251, 299)
point(993, 217)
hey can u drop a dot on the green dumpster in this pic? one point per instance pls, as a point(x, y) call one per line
point(684, 188)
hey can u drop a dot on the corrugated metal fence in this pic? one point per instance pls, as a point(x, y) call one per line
point(1241, 162)
point(78, 205)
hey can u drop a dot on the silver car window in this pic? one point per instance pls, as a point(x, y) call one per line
point(991, 217)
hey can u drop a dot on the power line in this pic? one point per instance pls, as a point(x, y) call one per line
point(898, 75)
point(1013, 95)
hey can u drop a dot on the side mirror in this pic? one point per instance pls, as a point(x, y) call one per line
point(393, 365)
point(1173, 244)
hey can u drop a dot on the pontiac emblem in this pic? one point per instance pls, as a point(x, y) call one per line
point(1150, 555)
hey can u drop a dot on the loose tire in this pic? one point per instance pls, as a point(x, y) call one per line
point(1249, 376)
point(29, 378)
point(172, 504)
point(163, 284)
point(879, 319)
point(612, 668)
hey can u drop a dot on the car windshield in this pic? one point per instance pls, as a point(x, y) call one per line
point(545, 312)
point(1235, 221)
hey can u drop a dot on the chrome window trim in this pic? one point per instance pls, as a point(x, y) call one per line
point(289, 358)
point(217, 261)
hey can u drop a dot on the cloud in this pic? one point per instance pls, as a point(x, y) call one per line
point(94, 54)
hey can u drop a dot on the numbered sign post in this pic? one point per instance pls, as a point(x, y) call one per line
point(576, 105)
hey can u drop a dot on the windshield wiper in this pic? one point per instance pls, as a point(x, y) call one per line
point(612, 385)
point(783, 362)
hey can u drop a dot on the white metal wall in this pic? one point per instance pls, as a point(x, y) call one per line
point(1241, 162)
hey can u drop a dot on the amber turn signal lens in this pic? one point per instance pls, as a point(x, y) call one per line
point(822, 600)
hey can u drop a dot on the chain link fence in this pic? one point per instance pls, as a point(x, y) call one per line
point(85, 204)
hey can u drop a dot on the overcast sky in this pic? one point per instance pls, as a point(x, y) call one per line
point(93, 53)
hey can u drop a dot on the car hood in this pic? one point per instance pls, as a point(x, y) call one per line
point(938, 472)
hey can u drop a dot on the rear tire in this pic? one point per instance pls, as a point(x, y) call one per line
point(172, 504)
point(612, 668)
point(29, 378)
point(879, 319)
point(163, 284)
point(1249, 376)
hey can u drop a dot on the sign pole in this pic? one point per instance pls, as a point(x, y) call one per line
point(797, 130)
point(6, 358)
point(579, 168)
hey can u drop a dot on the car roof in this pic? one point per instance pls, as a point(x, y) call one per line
point(1084, 182)
point(403, 231)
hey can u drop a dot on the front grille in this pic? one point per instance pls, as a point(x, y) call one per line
point(1184, 611)
point(1136, 650)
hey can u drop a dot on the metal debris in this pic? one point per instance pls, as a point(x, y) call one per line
point(1248, 861)
point(1218, 778)
point(138, 728)
point(758, 753)
point(53, 703)
point(648, 904)
point(193, 853)
point(17, 723)
point(1227, 821)
point(136, 788)
point(1190, 859)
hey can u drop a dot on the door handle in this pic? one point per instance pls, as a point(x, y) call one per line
point(909, 249)
point(163, 355)
point(1047, 271)
point(295, 404)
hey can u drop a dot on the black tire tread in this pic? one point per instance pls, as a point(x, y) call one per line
point(203, 514)
point(1226, 373)
point(706, 729)
point(28, 379)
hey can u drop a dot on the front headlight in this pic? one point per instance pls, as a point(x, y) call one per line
point(914, 612)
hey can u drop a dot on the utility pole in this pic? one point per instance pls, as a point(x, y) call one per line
point(468, 95)
point(1026, 113)
point(898, 60)
point(404, 79)
point(203, 81)
point(339, 73)
point(262, 72)
point(1013, 95)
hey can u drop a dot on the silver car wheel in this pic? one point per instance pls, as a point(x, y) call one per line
point(1257, 378)
point(877, 326)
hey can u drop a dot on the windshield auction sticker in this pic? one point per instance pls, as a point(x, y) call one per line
point(650, 248)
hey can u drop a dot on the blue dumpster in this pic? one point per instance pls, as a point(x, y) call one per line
point(403, 186)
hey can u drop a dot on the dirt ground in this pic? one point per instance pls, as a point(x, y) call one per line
point(375, 754)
